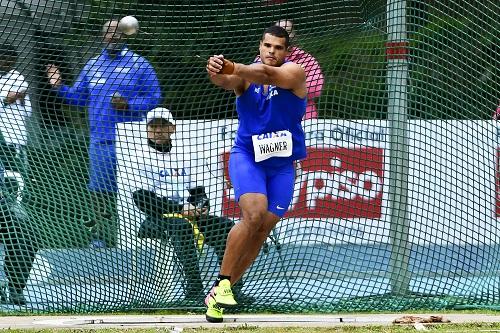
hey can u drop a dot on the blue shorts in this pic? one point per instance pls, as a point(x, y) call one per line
point(276, 182)
point(102, 168)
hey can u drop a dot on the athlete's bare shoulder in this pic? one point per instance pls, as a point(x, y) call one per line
point(294, 78)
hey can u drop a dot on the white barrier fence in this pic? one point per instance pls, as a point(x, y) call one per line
point(341, 188)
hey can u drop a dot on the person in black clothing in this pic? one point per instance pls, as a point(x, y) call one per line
point(177, 209)
point(15, 107)
point(20, 250)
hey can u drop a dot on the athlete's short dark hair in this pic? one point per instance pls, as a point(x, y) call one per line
point(278, 31)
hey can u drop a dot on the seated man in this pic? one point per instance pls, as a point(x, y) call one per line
point(176, 209)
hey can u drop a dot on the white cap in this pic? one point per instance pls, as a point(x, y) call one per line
point(160, 112)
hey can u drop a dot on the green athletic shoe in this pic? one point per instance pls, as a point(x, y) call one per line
point(214, 312)
point(223, 294)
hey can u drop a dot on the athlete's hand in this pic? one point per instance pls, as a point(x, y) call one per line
point(219, 65)
point(227, 67)
point(214, 64)
point(228, 183)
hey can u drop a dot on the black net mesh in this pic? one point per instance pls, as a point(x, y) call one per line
point(395, 207)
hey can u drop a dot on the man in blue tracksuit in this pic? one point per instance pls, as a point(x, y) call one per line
point(116, 86)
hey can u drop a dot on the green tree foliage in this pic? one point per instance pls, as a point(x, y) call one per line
point(455, 67)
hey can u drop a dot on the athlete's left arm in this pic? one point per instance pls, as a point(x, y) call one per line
point(287, 76)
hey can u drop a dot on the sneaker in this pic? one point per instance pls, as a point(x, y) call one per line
point(214, 312)
point(223, 294)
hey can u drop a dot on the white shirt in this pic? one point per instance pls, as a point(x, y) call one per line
point(167, 174)
point(13, 116)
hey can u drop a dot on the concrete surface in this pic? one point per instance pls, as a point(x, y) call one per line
point(177, 322)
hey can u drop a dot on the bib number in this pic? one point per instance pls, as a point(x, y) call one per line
point(273, 144)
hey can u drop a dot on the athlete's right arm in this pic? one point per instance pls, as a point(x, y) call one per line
point(228, 82)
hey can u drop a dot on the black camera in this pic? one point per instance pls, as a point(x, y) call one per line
point(198, 197)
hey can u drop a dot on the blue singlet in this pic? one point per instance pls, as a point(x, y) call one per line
point(260, 113)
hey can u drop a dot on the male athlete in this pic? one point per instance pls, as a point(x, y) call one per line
point(271, 101)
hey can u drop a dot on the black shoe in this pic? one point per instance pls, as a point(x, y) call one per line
point(16, 296)
point(243, 300)
point(240, 296)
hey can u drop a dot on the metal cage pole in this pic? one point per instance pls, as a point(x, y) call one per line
point(397, 89)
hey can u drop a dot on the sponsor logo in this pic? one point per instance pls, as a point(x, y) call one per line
point(332, 183)
point(368, 135)
point(173, 172)
point(272, 92)
point(97, 82)
point(271, 135)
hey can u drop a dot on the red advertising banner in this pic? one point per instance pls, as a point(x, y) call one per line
point(332, 183)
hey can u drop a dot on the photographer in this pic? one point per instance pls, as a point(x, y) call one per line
point(177, 210)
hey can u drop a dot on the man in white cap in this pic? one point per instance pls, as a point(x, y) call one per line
point(177, 210)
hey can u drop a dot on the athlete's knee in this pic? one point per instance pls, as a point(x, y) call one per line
point(254, 217)
point(254, 210)
point(254, 202)
point(256, 229)
point(265, 226)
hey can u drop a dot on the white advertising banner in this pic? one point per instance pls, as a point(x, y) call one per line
point(342, 188)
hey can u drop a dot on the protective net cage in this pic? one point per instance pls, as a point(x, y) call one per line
point(395, 207)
